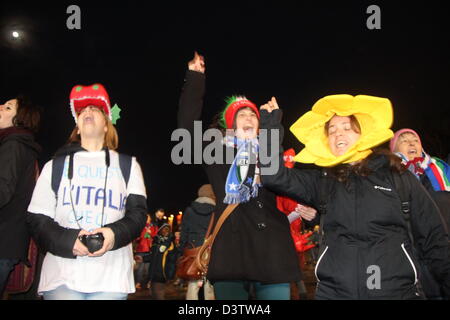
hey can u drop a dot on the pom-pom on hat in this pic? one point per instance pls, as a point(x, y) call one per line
point(234, 104)
point(374, 116)
point(93, 95)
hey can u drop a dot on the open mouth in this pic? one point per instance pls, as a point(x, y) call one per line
point(341, 144)
point(412, 152)
point(89, 119)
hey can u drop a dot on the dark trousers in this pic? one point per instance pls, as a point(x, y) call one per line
point(6, 266)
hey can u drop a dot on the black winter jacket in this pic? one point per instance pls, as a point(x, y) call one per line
point(442, 199)
point(254, 243)
point(195, 223)
point(366, 232)
point(18, 154)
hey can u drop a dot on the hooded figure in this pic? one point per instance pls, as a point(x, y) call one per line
point(194, 226)
point(162, 258)
point(196, 218)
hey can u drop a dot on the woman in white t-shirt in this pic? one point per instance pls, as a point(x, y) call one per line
point(93, 200)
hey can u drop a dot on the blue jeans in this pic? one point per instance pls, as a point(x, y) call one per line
point(64, 293)
point(6, 266)
point(240, 290)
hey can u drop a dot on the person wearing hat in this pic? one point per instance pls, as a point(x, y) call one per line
point(88, 223)
point(253, 248)
point(407, 144)
point(433, 173)
point(194, 226)
point(366, 251)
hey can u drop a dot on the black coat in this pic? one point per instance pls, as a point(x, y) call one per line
point(365, 227)
point(442, 199)
point(195, 223)
point(18, 154)
point(254, 243)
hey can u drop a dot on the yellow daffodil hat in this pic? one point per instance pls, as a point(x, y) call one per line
point(375, 117)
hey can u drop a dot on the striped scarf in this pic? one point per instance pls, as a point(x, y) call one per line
point(242, 185)
point(437, 170)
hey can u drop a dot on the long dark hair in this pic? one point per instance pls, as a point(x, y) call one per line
point(342, 172)
point(28, 114)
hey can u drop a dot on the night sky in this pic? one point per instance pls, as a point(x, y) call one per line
point(297, 52)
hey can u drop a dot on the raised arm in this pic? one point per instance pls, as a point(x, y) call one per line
point(192, 93)
point(300, 185)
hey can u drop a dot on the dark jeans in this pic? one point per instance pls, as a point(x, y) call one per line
point(244, 290)
point(6, 266)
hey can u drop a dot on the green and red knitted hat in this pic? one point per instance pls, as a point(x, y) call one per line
point(234, 104)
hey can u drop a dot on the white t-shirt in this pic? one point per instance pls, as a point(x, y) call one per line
point(112, 272)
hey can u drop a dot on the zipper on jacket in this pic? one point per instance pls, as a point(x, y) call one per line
point(318, 262)
point(411, 262)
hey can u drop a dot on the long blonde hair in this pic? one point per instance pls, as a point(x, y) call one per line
point(111, 140)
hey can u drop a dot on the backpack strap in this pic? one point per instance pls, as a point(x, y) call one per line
point(58, 168)
point(324, 186)
point(403, 187)
point(125, 166)
point(57, 172)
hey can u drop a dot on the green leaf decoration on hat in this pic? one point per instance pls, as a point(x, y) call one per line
point(115, 114)
point(229, 101)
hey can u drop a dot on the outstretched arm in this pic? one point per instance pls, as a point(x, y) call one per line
point(192, 93)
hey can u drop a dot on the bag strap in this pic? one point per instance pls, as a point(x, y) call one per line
point(125, 166)
point(225, 214)
point(403, 187)
point(57, 172)
point(211, 222)
point(125, 162)
point(324, 184)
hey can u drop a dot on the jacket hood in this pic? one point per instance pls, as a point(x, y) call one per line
point(203, 208)
point(68, 149)
point(26, 139)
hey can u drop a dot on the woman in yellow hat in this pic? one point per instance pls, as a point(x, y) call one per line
point(367, 245)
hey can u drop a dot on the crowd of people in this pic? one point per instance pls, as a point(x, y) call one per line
point(374, 220)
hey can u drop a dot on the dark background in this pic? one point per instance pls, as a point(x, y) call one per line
point(298, 52)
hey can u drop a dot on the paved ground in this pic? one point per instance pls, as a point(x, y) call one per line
point(176, 291)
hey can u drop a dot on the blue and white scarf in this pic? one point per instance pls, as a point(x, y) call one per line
point(239, 189)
